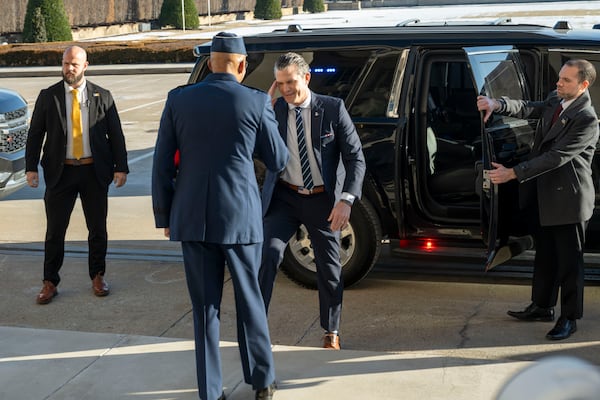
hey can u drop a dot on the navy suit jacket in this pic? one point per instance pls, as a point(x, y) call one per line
point(218, 125)
point(336, 146)
point(49, 122)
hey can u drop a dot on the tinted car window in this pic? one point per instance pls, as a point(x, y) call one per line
point(373, 98)
point(332, 72)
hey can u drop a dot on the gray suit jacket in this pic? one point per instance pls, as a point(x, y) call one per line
point(559, 167)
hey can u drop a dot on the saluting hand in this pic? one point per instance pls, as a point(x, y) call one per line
point(271, 92)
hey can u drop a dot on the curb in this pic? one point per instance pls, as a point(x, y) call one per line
point(122, 69)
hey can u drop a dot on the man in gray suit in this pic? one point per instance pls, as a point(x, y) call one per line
point(557, 190)
point(310, 190)
point(211, 203)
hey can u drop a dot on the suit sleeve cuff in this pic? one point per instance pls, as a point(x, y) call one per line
point(348, 197)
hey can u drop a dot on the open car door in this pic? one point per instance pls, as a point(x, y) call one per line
point(497, 72)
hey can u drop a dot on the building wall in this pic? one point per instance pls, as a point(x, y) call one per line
point(90, 13)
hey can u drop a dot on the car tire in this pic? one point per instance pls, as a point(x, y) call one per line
point(360, 245)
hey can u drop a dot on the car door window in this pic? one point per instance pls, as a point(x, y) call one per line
point(497, 71)
point(333, 73)
point(374, 91)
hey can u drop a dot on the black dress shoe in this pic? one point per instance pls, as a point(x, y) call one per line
point(563, 329)
point(534, 313)
point(266, 393)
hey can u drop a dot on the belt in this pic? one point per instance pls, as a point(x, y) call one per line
point(81, 161)
point(303, 190)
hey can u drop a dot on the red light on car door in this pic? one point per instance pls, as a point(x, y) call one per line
point(429, 245)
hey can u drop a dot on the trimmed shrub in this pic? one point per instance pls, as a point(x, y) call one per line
point(313, 6)
point(170, 14)
point(54, 19)
point(267, 9)
point(39, 26)
point(152, 51)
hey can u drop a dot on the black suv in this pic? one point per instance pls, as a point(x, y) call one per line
point(13, 135)
point(411, 90)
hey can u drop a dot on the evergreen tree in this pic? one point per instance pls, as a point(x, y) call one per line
point(313, 6)
point(267, 9)
point(39, 26)
point(55, 21)
point(170, 14)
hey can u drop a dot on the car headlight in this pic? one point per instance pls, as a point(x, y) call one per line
point(4, 176)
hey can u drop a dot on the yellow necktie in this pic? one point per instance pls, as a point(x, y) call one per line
point(76, 123)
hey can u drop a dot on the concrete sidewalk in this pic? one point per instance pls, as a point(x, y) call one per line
point(53, 365)
point(401, 339)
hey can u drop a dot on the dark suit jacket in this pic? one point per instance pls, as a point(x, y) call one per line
point(217, 125)
point(559, 167)
point(49, 122)
point(334, 139)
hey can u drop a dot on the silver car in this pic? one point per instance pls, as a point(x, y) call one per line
point(14, 117)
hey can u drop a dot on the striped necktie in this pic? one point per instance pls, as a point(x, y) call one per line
point(303, 151)
point(76, 126)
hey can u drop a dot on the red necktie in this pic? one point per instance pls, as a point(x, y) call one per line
point(556, 113)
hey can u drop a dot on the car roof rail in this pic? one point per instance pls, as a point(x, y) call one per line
point(498, 21)
point(562, 25)
point(294, 28)
point(501, 21)
point(408, 21)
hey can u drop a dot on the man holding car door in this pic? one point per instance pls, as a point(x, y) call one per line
point(556, 191)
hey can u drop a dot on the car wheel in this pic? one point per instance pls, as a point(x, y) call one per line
point(360, 244)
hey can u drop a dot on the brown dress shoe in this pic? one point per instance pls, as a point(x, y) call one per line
point(266, 393)
point(100, 286)
point(47, 293)
point(331, 341)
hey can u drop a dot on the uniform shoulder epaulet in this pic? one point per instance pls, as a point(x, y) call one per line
point(183, 86)
point(180, 87)
point(253, 88)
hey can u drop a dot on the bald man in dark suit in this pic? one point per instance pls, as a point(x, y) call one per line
point(78, 125)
